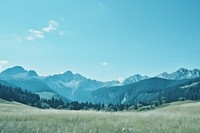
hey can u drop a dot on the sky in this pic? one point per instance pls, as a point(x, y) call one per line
point(100, 39)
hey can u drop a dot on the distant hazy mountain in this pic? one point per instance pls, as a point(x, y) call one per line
point(69, 85)
point(29, 80)
point(80, 88)
point(14, 71)
point(181, 74)
point(134, 78)
point(18, 72)
point(75, 86)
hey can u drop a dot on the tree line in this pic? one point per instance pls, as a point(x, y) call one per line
point(26, 97)
point(17, 94)
point(165, 96)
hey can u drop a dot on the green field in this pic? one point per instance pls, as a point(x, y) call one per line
point(179, 117)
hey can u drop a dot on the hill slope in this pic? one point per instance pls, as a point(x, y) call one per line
point(177, 118)
point(146, 91)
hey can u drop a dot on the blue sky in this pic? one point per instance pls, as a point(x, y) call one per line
point(100, 39)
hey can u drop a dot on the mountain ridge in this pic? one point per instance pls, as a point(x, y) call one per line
point(77, 87)
point(146, 91)
point(181, 73)
point(70, 85)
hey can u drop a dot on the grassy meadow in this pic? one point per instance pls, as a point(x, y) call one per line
point(180, 117)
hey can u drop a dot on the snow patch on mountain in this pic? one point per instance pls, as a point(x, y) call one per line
point(191, 85)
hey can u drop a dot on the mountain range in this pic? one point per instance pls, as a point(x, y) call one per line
point(69, 85)
point(77, 87)
point(182, 73)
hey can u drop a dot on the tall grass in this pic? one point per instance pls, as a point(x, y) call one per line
point(18, 118)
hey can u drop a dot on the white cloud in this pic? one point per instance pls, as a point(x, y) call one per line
point(3, 63)
point(52, 26)
point(39, 34)
point(104, 63)
point(35, 34)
